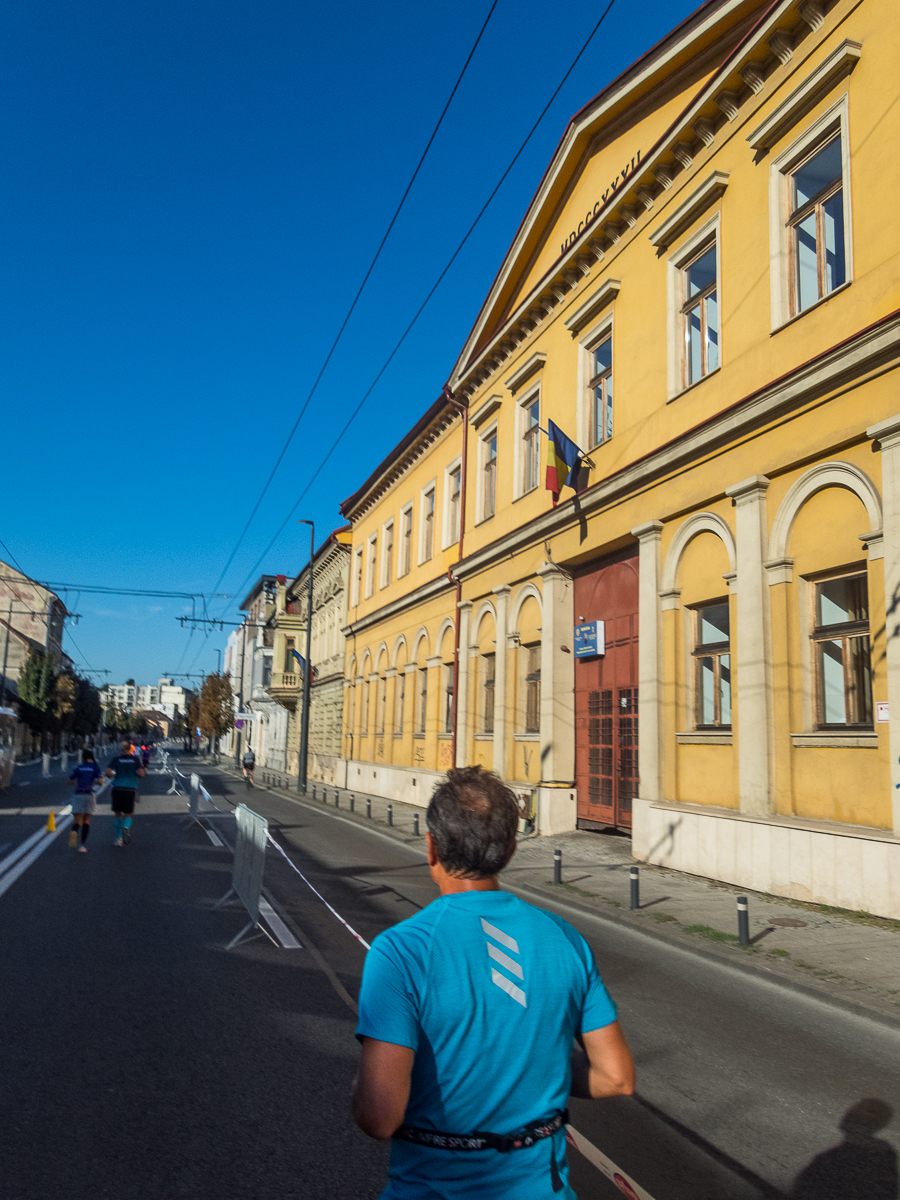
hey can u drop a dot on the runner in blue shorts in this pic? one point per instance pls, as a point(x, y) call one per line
point(468, 1016)
point(124, 770)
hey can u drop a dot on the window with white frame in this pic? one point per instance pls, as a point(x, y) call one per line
point(843, 654)
point(427, 525)
point(380, 704)
point(371, 565)
point(816, 224)
point(712, 666)
point(489, 474)
point(447, 697)
point(530, 456)
point(399, 702)
point(700, 314)
point(530, 657)
point(406, 530)
point(453, 489)
point(387, 555)
point(810, 216)
point(357, 575)
point(600, 389)
point(488, 679)
point(421, 699)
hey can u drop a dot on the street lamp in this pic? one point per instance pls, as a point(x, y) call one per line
point(304, 720)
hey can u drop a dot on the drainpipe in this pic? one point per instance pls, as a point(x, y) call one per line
point(464, 409)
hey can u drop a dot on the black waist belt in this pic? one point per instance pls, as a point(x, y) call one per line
point(504, 1142)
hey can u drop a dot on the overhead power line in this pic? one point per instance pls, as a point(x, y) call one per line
point(350, 310)
point(425, 302)
point(12, 556)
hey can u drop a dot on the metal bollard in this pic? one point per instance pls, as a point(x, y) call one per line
point(368, 806)
point(557, 866)
point(390, 814)
point(635, 889)
point(743, 921)
point(337, 798)
point(314, 793)
point(352, 802)
point(416, 824)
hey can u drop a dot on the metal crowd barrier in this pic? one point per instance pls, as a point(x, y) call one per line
point(247, 868)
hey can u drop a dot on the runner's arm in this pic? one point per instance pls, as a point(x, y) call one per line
point(381, 1087)
point(604, 1067)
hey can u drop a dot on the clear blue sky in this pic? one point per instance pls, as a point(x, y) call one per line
point(191, 193)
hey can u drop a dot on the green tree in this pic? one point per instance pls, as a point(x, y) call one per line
point(65, 698)
point(216, 705)
point(36, 681)
point(88, 709)
point(130, 683)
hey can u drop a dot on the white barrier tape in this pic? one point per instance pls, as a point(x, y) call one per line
point(605, 1165)
point(31, 762)
point(346, 924)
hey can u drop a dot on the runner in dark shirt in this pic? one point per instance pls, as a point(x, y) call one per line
point(124, 770)
point(84, 805)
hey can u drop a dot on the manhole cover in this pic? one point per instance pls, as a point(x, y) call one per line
point(788, 922)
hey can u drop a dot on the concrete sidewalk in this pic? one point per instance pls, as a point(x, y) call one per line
point(852, 959)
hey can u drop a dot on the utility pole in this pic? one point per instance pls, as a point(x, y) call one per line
point(304, 719)
point(5, 656)
point(237, 742)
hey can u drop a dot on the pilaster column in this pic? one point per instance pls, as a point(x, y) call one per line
point(557, 676)
point(434, 702)
point(887, 435)
point(501, 658)
point(752, 645)
point(390, 708)
point(650, 746)
point(462, 685)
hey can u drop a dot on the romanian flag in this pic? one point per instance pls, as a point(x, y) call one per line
point(565, 463)
point(302, 663)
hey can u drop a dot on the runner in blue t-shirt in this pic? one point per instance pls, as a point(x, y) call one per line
point(468, 1013)
point(84, 805)
point(124, 771)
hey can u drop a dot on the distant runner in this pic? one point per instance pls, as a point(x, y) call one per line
point(248, 762)
point(84, 805)
point(124, 771)
point(146, 751)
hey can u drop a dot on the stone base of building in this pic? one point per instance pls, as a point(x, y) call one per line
point(408, 785)
point(327, 768)
point(842, 866)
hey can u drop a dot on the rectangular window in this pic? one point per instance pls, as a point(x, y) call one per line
point(371, 565)
point(454, 484)
point(357, 576)
point(364, 710)
point(399, 703)
point(488, 677)
point(406, 523)
point(290, 663)
point(531, 458)
point(816, 224)
point(489, 476)
point(422, 699)
point(842, 653)
point(428, 525)
point(267, 672)
point(700, 315)
point(532, 688)
point(387, 551)
point(447, 692)
point(380, 704)
point(601, 392)
point(712, 666)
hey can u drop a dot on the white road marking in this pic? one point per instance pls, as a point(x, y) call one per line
point(278, 927)
point(11, 876)
point(605, 1165)
point(16, 854)
point(213, 837)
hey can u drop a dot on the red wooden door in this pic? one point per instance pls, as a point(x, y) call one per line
point(606, 697)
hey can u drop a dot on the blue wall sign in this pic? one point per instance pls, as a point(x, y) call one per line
point(590, 639)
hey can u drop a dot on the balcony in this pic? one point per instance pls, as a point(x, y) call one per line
point(285, 688)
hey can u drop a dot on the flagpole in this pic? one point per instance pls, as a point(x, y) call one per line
point(304, 719)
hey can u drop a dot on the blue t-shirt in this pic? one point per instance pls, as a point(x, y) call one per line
point(489, 992)
point(84, 775)
point(125, 769)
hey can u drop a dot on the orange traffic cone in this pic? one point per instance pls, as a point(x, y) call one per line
point(51, 822)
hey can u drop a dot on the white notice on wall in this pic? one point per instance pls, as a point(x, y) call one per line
point(882, 711)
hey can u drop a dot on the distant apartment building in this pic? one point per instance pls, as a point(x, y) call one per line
point(164, 696)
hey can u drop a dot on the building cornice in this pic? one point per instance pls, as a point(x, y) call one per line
point(841, 364)
point(427, 591)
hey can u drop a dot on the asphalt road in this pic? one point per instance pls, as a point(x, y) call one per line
point(143, 1060)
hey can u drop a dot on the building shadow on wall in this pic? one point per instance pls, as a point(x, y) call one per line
point(860, 1165)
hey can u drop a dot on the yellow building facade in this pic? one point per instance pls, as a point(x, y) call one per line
point(704, 295)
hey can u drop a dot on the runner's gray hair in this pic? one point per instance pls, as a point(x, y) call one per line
point(473, 817)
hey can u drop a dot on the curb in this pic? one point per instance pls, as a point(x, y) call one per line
point(682, 942)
